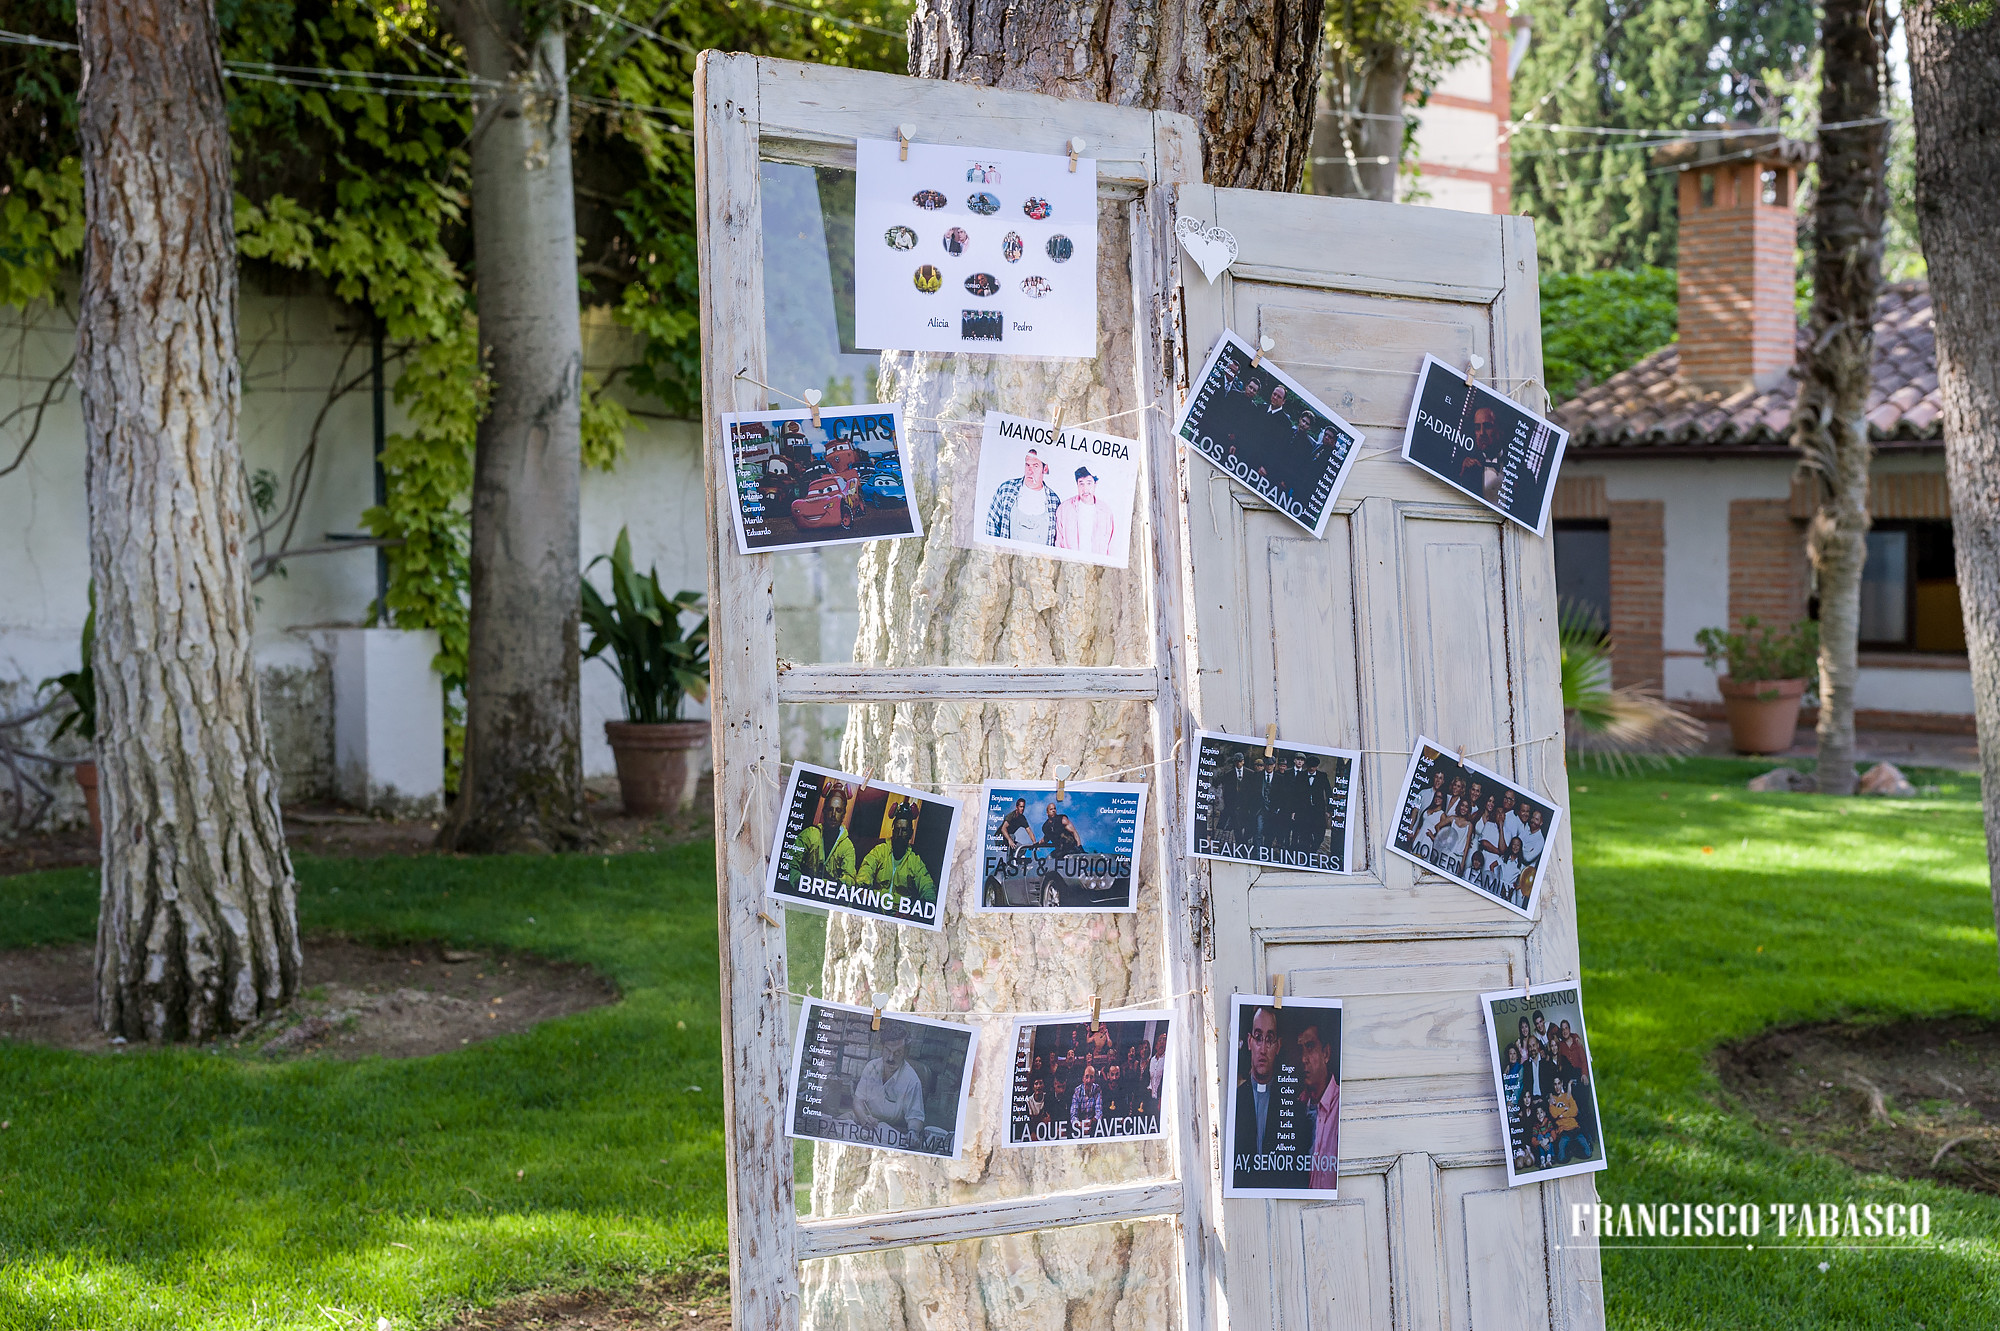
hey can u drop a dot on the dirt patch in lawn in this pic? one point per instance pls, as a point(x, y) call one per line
point(1919, 1099)
point(358, 1000)
point(669, 1305)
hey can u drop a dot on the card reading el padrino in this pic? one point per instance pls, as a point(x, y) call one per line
point(876, 849)
point(1484, 444)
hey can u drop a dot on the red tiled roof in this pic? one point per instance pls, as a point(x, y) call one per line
point(1648, 406)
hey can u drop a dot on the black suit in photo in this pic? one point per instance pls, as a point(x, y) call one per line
point(1247, 1142)
point(1236, 799)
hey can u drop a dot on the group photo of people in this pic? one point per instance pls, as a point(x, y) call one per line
point(1284, 1110)
point(1061, 849)
point(844, 843)
point(1484, 444)
point(1542, 1074)
point(901, 1088)
point(1289, 807)
point(1261, 427)
point(1075, 1083)
point(1474, 826)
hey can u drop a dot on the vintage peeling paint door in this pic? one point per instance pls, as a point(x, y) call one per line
point(1419, 612)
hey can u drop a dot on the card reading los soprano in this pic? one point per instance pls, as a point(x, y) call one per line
point(1070, 852)
point(801, 484)
point(901, 1088)
point(974, 250)
point(1290, 808)
point(1058, 494)
point(1072, 1084)
point(1475, 827)
point(1283, 1127)
point(875, 849)
point(1542, 1076)
point(1267, 433)
point(1484, 445)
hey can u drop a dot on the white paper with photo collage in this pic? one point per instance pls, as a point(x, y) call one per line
point(1057, 1130)
point(1233, 417)
point(807, 1084)
point(1567, 1144)
point(1108, 821)
point(1291, 1111)
point(1402, 845)
point(1523, 453)
point(873, 899)
point(1066, 524)
point(1209, 815)
point(983, 250)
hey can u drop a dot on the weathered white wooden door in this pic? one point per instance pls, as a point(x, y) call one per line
point(1419, 612)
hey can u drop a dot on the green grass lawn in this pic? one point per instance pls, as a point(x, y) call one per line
point(188, 1189)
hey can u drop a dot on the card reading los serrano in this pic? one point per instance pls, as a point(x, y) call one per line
point(867, 847)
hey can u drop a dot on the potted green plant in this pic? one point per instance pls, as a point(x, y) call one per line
point(80, 686)
point(1768, 670)
point(659, 666)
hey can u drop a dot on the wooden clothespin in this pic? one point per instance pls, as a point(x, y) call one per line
point(1076, 145)
point(1461, 756)
point(867, 775)
point(904, 133)
point(1062, 780)
point(1270, 738)
point(1472, 363)
point(765, 916)
point(1278, 992)
point(1264, 344)
point(877, 1000)
point(812, 397)
point(1095, 1012)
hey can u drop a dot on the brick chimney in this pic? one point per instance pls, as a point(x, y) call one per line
point(1738, 233)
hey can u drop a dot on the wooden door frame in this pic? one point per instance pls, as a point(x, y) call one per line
point(1142, 155)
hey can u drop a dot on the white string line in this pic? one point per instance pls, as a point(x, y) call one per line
point(962, 422)
point(941, 786)
point(1105, 1013)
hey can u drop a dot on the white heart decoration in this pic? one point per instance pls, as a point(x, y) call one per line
point(1209, 246)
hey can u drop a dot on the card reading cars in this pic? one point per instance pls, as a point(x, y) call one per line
point(1541, 1073)
point(902, 1088)
point(1283, 1098)
point(1289, 809)
point(1267, 433)
point(1072, 1084)
point(1484, 445)
point(1074, 853)
point(1061, 496)
point(798, 484)
point(878, 850)
point(974, 249)
point(1475, 827)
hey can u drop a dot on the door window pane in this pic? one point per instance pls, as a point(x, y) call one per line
point(1885, 588)
point(1583, 571)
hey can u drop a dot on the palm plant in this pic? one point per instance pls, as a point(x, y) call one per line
point(1615, 726)
point(640, 626)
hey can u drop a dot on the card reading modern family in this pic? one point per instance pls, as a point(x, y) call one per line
point(1265, 431)
point(1485, 445)
point(1475, 827)
point(1284, 1111)
point(1073, 1084)
point(975, 250)
point(901, 1088)
point(1064, 495)
point(798, 484)
point(1291, 809)
point(870, 848)
point(1075, 853)
point(1541, 1074)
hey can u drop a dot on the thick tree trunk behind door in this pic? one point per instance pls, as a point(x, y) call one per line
point(522, 787)
point(1847, 274)
point(1955, 85)
point(197, 932)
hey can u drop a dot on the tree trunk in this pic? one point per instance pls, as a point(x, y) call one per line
point(197, 931)
point(1955, 88)
point(1357, 141)
point(522, 784)
point(1829, 426)
point(1248, 81)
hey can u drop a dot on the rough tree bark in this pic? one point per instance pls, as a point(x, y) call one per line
point(1246, 73)
point(197, 930)
point(522, 784)
point(1955, 88)
point(1829, 426)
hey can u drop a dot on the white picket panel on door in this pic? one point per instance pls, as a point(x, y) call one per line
point(1419, 612)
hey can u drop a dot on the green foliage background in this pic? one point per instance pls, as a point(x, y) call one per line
point(1598, 322)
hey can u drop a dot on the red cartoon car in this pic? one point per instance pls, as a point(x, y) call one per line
point(830, 500)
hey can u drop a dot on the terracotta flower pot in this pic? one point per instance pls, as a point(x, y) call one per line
point(1763, 713)
point(659, 764)
point(86, 776)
